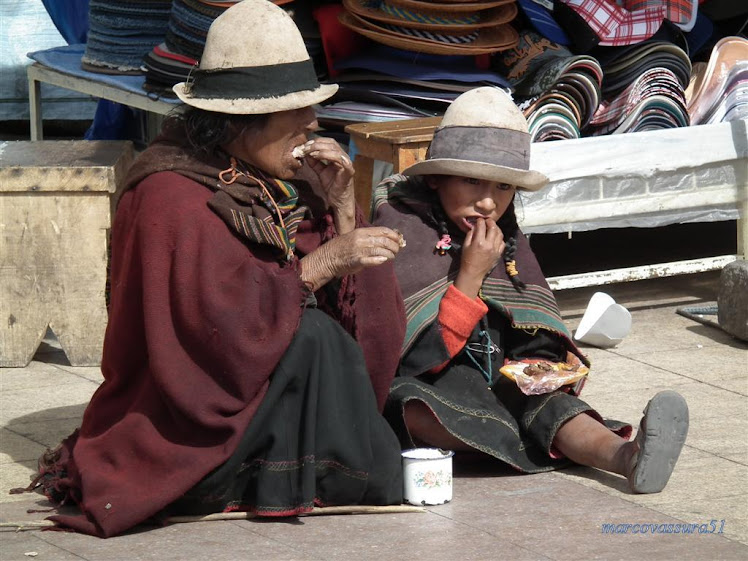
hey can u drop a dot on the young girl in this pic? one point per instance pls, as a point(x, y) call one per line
point(467, 315)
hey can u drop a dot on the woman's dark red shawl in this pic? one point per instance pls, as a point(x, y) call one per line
point(198, 321)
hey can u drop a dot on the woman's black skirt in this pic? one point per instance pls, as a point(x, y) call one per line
point(500, 421)
point(317, 438)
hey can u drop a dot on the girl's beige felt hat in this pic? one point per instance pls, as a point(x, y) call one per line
point(254, 62)
point(483, 135)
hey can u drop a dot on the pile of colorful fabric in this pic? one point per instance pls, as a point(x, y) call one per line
point(122, 32)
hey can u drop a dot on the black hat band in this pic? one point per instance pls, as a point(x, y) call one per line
point(253, 82)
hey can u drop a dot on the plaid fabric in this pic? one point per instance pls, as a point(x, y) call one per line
point(678, 11)
point(616, 26)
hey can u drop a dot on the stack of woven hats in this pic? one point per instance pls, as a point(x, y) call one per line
point(121, 32)
point(644, 86)
point(171, 60)
point(434, 27)
point(557, 91)
point(654, 100)
point(644, 48)
point(719, 88)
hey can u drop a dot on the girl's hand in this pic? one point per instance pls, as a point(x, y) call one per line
point(335, 171)
point(482, 249)
point(348, 254)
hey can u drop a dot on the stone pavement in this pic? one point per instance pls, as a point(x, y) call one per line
point(495, 513)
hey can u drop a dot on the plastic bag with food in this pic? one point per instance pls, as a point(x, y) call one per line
point(535, 376)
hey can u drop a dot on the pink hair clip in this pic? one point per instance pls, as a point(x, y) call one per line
point(444, 244)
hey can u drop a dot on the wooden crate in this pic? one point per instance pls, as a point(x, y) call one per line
point(56, 207)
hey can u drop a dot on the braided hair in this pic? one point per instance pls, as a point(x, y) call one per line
point(510, 229)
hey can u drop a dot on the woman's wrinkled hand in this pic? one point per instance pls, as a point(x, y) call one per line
point(335, 171)
point(481, 251)
point(348, 254)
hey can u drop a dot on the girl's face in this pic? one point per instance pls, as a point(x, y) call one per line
point(465, 199)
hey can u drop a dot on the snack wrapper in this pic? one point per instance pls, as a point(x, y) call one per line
point(535, 377)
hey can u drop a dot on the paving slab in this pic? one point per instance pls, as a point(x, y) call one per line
point(495, 513)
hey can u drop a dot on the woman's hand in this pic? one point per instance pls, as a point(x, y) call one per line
point(482, 249)
point(348, 254)
point(335, 171)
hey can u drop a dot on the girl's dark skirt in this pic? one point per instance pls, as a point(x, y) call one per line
point(317, 438)
point(500, 421)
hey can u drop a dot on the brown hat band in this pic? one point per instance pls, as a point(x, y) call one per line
point(489, 145)
point(253, 82)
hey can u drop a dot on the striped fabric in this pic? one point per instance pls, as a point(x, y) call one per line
point(435, 18)
point(277, 231)
point(431, 36)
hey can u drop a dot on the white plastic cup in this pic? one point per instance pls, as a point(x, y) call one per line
point(427, 476)
point(604, 323)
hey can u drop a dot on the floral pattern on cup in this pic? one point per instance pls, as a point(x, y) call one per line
point(432, 479)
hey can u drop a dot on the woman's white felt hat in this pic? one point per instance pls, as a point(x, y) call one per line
point(483, 135)
point(254, 62)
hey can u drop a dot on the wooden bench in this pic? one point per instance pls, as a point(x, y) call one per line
point(56, 207)
point(400, 143)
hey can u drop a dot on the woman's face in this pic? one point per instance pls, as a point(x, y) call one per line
point(269, 147)
point(465, 199)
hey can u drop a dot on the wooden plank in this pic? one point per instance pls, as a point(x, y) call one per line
point(63, 165)
point(396, 132)
point(657, 270)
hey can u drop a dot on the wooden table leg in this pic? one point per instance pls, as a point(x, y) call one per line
point(35, 109)
point(406, 155)
point(362, 182)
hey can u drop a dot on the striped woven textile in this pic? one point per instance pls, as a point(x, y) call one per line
point(278, 231)
point(435, 18)
point(431, 36)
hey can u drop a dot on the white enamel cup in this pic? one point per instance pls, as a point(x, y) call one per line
point(427, 476)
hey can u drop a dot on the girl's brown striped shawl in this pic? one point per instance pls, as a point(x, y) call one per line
point(406, 203)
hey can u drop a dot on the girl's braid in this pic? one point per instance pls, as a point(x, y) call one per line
point(510, 228)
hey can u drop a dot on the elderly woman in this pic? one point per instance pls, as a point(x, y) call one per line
point(255, 321)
